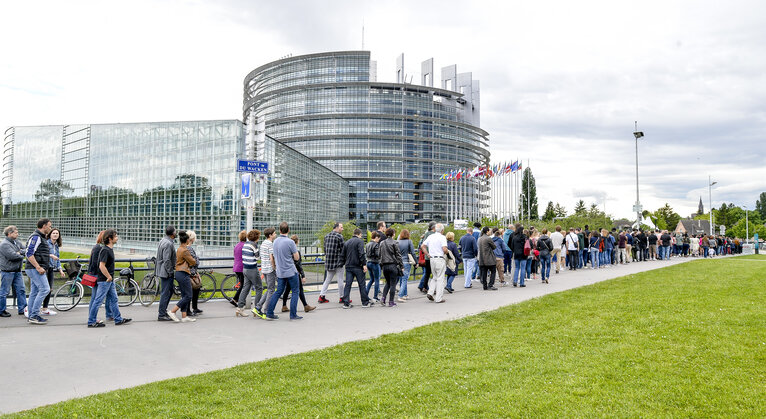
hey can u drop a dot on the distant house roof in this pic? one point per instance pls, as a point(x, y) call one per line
point(693, 227)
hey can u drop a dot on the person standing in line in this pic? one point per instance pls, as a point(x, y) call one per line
point(544, 246)
point(476, 234)
point(652, 239)
point(507, 254)
point(436, 250)
point(593, 246)
point(164, 269)
point(581, 252)
point(372, 252)
point(705, 246)
point(38, 256)
point(622, 254)
point(665, 239)
point(356, 267)
point(425, 279)
point(452, 273)
point(407, 250)
point(557, 239)
point(572, 244)
point(629, 246)
point(333, 265)
point(487, 259)
point(499, 252)
point(686, 242)
point(469, 250)
point(54, 264)
point(283, 258)
point(237, 267)
point(267, 270)
point(11, 259)
point(184, 262)
point(105, 279)
point(301, 281)
point(391, 261)
point(518, 240)
point(252, 279)
point(643, 245)
point(194, 310)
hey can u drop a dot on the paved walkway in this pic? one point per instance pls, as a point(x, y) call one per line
point(65, 359)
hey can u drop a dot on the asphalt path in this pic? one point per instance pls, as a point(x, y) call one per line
point(64, 359)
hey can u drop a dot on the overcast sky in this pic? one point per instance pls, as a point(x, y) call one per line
point(561, 82)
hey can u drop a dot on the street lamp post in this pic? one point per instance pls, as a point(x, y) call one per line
point(710, 197)
point(747, 227)
point(638, 134)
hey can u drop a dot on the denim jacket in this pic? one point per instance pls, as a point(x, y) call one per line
point(54, 249)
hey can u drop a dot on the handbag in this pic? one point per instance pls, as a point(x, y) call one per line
point(89, 280)
point(412, 259)
point(196, 282)
point(421, 258)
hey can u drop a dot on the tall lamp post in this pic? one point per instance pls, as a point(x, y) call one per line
point(638, 134)
point(710, 197)
point(747, 227)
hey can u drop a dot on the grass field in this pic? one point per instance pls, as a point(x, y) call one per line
point(687, 340)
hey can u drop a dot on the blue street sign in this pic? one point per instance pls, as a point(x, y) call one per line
point(253, 166)
point(245, 189)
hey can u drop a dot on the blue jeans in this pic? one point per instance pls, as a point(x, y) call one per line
point(404, 279)
point(15, 279)
point(594, 260)
point(545, 266)
point(582, 258)
point(184, 282)
point(469, 267)
point(105, 290)
point(283, 283)
point(450, 278)
point(520, 272)
point(39, 288)
point(374, 270)
point(528, 268)
point(94, 290)
point(507, 261)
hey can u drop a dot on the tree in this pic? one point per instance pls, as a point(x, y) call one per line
point(580, 208)
point(760, 206)
point(739, 229)
point(665, 218)
point(529, 197)
point(348, 231)
point(560, 211)
point(549, 212)
point(52, 189)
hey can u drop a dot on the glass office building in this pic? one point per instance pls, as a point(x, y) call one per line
point(140, 177)
point(391, 141)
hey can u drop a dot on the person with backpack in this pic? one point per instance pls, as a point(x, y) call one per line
point(545, 247)
point(521, 248)
point(593, 248)
point(38, 255)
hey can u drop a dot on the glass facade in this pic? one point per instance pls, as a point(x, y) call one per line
point(390, 141)
point(138, 178)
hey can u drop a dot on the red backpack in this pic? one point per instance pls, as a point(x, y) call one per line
point(527, 248)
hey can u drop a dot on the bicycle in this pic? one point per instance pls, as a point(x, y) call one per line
point(229, 286)
point(126, 287)
point(150, 285)
point(70, 294)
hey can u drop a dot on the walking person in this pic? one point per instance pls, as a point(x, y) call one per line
point(487, 259)
point(93, 271)
point(391, 262)
point(425, 279)
point(164, 269)
point(38, 256)
point(54, 265)
point(267, 270)
point(435, 248)
point(237, 267)
point(301, 281)
point(469, 249)
point(184, 262)
point(372, 252)
point(333, 265)
point(105, 281)
point(252, 278)
point(557, 239)
point(407, 250)
point(194, 310)
point(545, 247)
point(283, 257)
point(452, 273)
point(11, 259)
point(518, 243)
point(356, 267)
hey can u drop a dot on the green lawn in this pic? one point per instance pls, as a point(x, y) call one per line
point(687, 340)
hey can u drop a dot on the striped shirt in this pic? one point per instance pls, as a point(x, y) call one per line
point(267, 248)
point(250, 255)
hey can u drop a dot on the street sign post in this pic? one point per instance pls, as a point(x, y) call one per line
point(245, 189)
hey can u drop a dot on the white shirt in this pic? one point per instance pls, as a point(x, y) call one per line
point(557, 239)
point(572, 241)
point(435, 242)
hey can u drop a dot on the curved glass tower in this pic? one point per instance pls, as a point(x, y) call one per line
point(391, 141)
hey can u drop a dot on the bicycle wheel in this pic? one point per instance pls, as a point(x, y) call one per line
point(208, 289)
point(229, 287)
point(149, 290)
point(127, 291)
point(68, 296)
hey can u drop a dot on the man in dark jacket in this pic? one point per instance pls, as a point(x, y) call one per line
point(356, 267)
point(545, 247)
point(164, 269)
point(38, 257)
point(469, 251)
point(487, 259)
point(11, 257)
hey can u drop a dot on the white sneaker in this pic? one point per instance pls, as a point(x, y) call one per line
point(401, 300)
point(188, 319)
point(26, 312)
point(48, 312)
point(173, 316)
